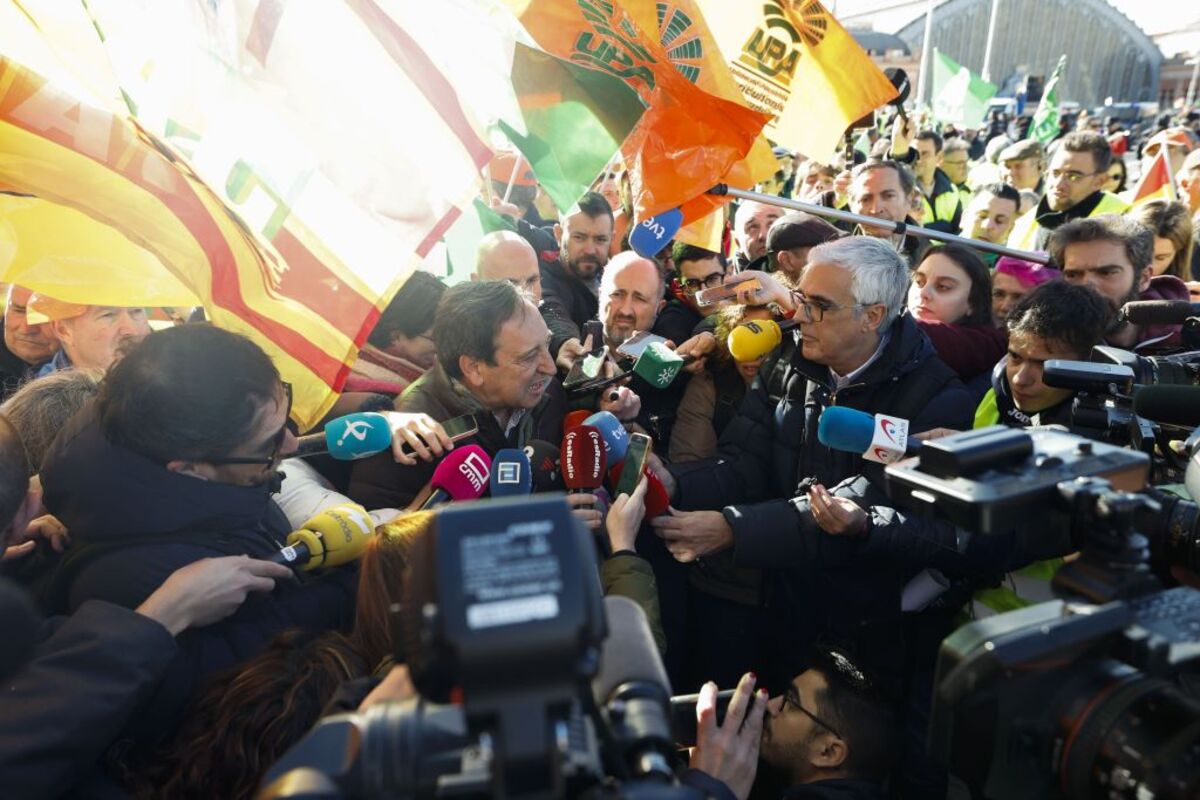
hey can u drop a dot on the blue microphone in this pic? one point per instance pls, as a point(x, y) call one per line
point(875, 437)
point(616, 439)
point(349, 438)
point(651, 235)
point(512, 473)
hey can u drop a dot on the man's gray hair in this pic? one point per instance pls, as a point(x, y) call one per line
point(878, 274)
point(41, 407)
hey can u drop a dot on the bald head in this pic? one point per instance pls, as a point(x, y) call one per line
point(750, 226)
point(506, 256)
point(631, 295)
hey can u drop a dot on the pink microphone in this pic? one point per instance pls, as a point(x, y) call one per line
point(462, 475)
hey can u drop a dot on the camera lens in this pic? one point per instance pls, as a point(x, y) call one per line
point(1174, 532)
point(1128, 735)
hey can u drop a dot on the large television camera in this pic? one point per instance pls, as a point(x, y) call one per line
point(1110, 403)
point(1079, 697)
point(531, 684)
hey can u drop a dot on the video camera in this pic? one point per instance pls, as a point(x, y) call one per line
point(1105, 406)
point(530, 683)
point(1065, 699)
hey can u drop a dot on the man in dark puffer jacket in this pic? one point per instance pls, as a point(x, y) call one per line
point(175, 462)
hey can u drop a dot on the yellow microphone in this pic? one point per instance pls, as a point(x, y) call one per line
point(333, 537)
point(751, 341)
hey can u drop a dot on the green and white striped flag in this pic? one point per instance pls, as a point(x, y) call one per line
point(1045, 119)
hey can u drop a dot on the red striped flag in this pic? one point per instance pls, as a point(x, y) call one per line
point(292, 191)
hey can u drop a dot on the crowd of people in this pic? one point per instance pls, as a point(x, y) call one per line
point(147, 468)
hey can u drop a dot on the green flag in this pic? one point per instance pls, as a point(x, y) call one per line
point(1045, 119)
point(959, 95)
point(576, 118)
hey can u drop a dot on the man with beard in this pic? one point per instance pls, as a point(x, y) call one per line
point(26, 347)
point(829, 735)
point(570, 281)
point(1074, 190)
point(1113, 255)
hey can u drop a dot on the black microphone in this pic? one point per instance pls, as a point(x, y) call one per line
point(1158, 312)
point(633, 690)
point(1168, 404)
point(546, 469)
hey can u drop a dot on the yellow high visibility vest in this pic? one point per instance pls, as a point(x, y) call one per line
point(1025, 230)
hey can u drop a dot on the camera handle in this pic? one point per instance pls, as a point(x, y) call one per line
point(1114, 559)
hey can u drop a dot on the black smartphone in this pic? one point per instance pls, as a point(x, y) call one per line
point(635, 345)
point(636, 457)
point(595, 329)
point(457, 429)
point(683, 715)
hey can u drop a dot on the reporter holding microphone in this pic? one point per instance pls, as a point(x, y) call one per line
point(175, 462)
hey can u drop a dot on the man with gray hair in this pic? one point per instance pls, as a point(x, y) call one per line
point(763, 496)
point(1113, 255)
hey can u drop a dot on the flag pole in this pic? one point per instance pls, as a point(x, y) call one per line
point(898, 228)
point(512, 179)
point(991, 37)
point(925, 61)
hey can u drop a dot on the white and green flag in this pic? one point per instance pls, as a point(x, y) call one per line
point(959, 95)
point(1045, 119)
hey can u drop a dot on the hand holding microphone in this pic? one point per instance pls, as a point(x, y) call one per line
point(334, 537)
point(583, 461)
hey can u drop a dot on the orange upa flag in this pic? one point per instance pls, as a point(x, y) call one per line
point(684, 35)
point(1156, 182)
point(794, 61)
point(688, 140)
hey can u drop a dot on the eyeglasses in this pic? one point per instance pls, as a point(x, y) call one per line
point(693, 285)
point(1070, 176)
point(792, 698)
point(276, 443)
point(815, 312)
point(947, 163)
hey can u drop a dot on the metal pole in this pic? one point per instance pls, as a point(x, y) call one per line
point(898, 228)
point(991, 37)
point(1191, 95)
point(925, 54)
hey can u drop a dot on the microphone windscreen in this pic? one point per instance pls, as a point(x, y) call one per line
point(463, 473)
point(658, 365)
point(628, 654)
point(1171, 405)
point(846, 429)
point(751, 341)
point(583, 458)
point(651, 235)
point(358, 435)
point(21, 624)
point(1159, 312)
point(616, 440)
point(511, 473)
point(574, 419)
point(543, 459)
point(657, 499)
point(336, 536)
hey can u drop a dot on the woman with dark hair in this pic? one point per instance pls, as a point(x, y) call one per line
point(1118, 177)
point(400, 348)
point(951, 299)
point(248, 717)
point(1172, 228)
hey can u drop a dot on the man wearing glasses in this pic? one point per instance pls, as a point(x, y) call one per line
point(175, 462)
point(828, 734)
point(1074, 190)
point(857, 348)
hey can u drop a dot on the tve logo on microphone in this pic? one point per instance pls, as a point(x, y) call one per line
point(476, 470)
point(889, 440)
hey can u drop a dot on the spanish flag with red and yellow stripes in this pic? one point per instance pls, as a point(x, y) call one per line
point(1156, 183)
point(269, 183)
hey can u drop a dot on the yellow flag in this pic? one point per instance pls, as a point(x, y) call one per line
point(793, 60)
point(688, 42)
